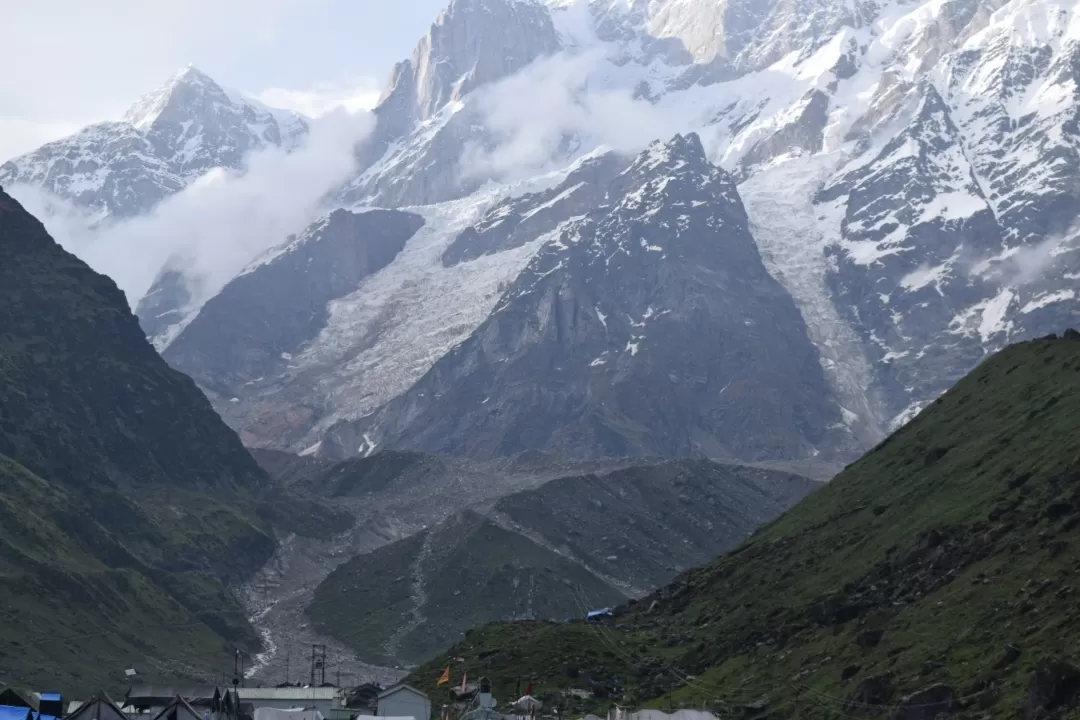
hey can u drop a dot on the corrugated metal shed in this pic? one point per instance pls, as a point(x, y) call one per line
point(290, 693)
point(162, 695)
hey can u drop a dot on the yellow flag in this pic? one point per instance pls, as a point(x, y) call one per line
point(445, 676)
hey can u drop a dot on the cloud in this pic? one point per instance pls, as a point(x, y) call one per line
point(556, 103)
point(222, 221)
point(324, 98)
point(1024, 264)
point(20, 135)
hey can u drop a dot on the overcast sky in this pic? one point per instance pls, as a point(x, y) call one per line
point(72, 62)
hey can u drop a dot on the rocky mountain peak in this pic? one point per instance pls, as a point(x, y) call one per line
point(166, 140)
point(673, 154)
point(676, 178)
point(472, 43)
point(187, 85)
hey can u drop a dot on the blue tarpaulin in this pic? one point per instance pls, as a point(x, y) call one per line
point(7, 712)
point(598, 613)
point(39, 716)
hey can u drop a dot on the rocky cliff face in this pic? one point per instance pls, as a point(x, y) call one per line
point(907, 168)
point(424, 117)
point(165, 141)
point(251, 329)
point(655, 327)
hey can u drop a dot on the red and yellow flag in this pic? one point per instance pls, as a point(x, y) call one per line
point(445, 678)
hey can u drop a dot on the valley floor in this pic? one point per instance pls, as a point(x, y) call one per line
point(277, 598)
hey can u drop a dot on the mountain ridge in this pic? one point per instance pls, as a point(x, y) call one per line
point(932, 576)
point(166, 140)
point(927, 213)
point(127, 502)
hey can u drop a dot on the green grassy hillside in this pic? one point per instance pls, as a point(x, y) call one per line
point(468, 571)
point(939, 571)
point(126, 504)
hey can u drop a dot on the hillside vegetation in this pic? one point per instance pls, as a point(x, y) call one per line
point(407, 600)
point(616, 533)
point(126, 504)
point(936, 575)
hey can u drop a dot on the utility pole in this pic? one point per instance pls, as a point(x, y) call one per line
point(318, 664)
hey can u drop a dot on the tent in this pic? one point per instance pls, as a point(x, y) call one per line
point(11, 712)
point(13, 698)
point(527, 705)
point(100, 707)
point(178, 709)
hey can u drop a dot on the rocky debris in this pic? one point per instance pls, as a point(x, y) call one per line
point(869, 638)
point(1012, 654)
point(925, 704)
point(872, 694)
point(1055, 684)
point(849, 672)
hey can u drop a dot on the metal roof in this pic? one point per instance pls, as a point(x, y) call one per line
point(290, 693)
point(168, 692)
point(398, 688)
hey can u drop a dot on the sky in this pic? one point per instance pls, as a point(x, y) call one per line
point(71, 62)
point(325, 58)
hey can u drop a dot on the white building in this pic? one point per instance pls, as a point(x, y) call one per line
point(322, 699)
point(403, 701)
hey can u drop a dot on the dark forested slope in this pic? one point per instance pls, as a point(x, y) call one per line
point(125, 501)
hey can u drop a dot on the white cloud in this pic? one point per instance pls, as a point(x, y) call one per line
point(20, 135)
point(324, 98)
point(74, 58)
point(1024, 264)
point(555, 100)
point(219, 223)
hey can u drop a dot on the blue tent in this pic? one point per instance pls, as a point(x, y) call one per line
point(10, 712)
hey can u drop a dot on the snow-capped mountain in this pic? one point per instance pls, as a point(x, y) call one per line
point(647, 327)
point(279, 304)
point(908, 170)
point(412, 157)
point(165, 141)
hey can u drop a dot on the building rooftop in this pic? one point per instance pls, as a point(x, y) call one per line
point(290, 693)
point(398, 688)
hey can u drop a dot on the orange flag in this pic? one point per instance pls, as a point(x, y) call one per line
point(445, 677)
